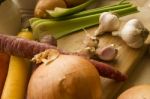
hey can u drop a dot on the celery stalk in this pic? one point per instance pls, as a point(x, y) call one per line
point(59, 12)
point(64, 27)
point(98, 10)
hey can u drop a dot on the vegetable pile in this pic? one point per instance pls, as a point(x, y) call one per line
point(64, 23)
point(18, 75)
point(60, 74)
point(27, 49)
point(43, 5)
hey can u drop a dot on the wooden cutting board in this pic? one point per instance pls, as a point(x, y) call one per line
point(127, 57)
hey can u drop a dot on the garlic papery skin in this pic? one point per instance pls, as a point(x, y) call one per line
point(134, 33)
point(108, 22)
point(107, 53)
point(90, 41)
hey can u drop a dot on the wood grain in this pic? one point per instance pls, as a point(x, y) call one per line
point(127, 58)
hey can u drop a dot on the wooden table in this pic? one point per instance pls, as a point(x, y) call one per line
point(127, 59)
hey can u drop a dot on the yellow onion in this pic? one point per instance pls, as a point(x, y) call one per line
point(136, 92)
point(66, 77)
point(43, 5)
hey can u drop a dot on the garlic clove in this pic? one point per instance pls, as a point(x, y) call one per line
point(87, 52)
point(107, 53)
point(108, 22)
point(90, 41)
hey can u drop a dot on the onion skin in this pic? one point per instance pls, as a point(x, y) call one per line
point(67, 77)
point(43, 5)
point(136, 92)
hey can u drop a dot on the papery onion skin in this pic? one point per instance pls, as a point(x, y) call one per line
point(67, 77)
point(141, 91)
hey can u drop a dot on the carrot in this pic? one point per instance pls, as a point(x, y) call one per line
point(4, 63)
point(21, 47)
point(27, 48)
point(18, 75)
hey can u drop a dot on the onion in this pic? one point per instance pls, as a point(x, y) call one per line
point(136, 92)
point(66, 77)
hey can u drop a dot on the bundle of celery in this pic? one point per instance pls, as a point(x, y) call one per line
point(62, 26)
point(59, 12)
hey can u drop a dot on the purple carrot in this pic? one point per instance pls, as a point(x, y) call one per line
point(28, 48)
point(107, 71)
point(21, 47)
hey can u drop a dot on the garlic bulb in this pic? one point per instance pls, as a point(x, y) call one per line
point(108, 23)
point(134, 33)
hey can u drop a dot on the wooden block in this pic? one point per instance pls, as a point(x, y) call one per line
point(127, 57)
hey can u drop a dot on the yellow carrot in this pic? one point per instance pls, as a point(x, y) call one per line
point(18, 75)
point(4, 63)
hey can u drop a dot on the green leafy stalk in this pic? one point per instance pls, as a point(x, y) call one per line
point(64, 27)
point(122, 1)
point(98, 10)
point(59, 12)
point(126, 11)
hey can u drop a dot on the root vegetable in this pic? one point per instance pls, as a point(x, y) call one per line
point(21, 47)
point(27, 49)
point(106, 70)
point(18, 75)
point(4, 63)
point(108, 22)
point(107, 53)
point(43, 5)
point(17, 79)
point(65, 77)
point(136, 92)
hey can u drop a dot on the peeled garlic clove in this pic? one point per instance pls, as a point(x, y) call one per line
point(107, 53)
point(108, 22)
